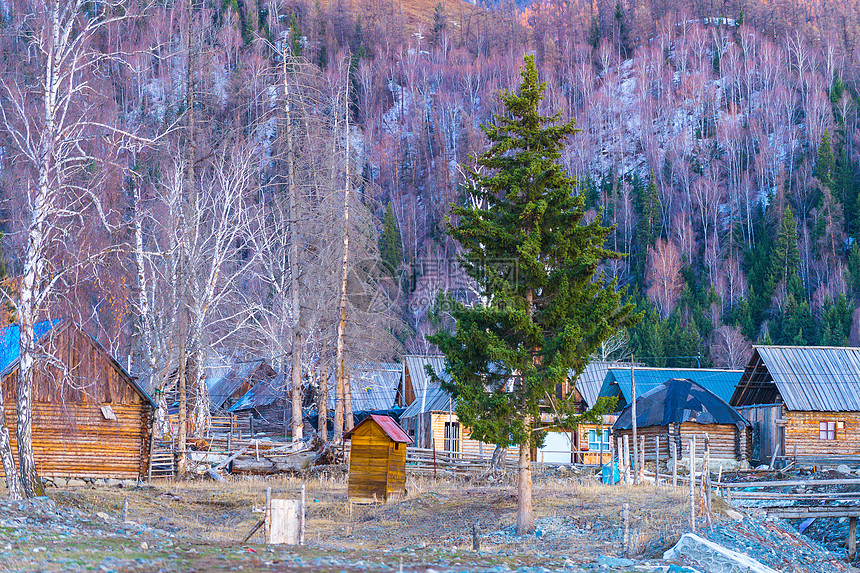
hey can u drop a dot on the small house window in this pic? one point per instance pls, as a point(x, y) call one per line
point(826, 430)
point(452, 436)
point(594, 440)
point(396, 445)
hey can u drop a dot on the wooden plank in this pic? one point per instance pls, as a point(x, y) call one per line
point(788, 483)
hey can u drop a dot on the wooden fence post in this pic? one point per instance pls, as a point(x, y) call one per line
point(641, 459)
point(706, 479)
point(627, 459)
point(625, 515)
point(302, 515)
point(673, 446)
point(693, 483)
point(852, 538)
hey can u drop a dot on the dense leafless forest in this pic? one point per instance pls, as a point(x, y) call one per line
point(194, 178)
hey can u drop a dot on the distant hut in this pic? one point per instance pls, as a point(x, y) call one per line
point(226, 386)
point(266, 407)
point(377, 459)
point(803, 403)
point(90, 417)
point(680, 409)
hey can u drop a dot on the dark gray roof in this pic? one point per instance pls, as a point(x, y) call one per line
point(223, 384)
point(264, 393)
point(806, 378)
point(677, 401)
point(373, 386)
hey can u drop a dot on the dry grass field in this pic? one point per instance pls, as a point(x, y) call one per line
point(577, 519)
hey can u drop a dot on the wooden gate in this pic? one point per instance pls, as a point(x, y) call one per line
point(768, 433)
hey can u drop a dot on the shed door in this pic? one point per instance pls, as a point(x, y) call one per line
point(767, 435)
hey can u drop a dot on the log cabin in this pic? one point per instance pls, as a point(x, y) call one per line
point(267, 407)
point(676, 411)
point(227, 385)
point(803, 403)
point(377, 460)
point(90, 417)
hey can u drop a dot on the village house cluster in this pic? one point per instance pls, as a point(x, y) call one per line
point(93, 420)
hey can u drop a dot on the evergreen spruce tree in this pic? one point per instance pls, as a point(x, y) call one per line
point(390, 243)
point(535, 262)
point(785, 256)
point(440, 23)
point(824, 164)
point(649, 210)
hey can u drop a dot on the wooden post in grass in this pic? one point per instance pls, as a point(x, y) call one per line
point(476, 536)
point(673, 447)
point(627, 459)
point(125, 509)
point(302, 515)
point(706, 480)
point(267, 515)
point(625, 514)
point(852, 538)
point(693, 483)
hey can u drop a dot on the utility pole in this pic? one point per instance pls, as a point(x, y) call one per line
point(633, 413)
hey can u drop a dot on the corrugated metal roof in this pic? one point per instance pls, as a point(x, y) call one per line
point(416, 363)
point(813, 378)
point(433, 400)
point(617, 381)
point(222, 386)
point(429, 397)
point(591, 380)
point(391, 428)
point(263, 393)
point(373, 386)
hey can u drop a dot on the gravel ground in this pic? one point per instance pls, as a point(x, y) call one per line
point(198, 526)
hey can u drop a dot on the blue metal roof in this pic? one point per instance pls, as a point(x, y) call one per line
point(10, 341)
point(617, 381)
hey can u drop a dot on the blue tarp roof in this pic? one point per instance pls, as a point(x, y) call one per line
point(617, 381)
point(10, 341)
point(677, 401)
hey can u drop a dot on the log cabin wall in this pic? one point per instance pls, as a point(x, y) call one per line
point(726, 441)
point(802, 435)
point(72, 435)
point(272, 419)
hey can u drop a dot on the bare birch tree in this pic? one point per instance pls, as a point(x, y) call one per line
point(53, 126)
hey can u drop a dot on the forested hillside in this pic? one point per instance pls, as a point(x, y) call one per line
point(198, 178)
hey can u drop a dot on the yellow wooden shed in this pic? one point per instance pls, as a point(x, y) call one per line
point(377, 460)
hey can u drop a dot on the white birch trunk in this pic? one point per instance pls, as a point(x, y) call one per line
point(296, 346)
point(343, 416)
